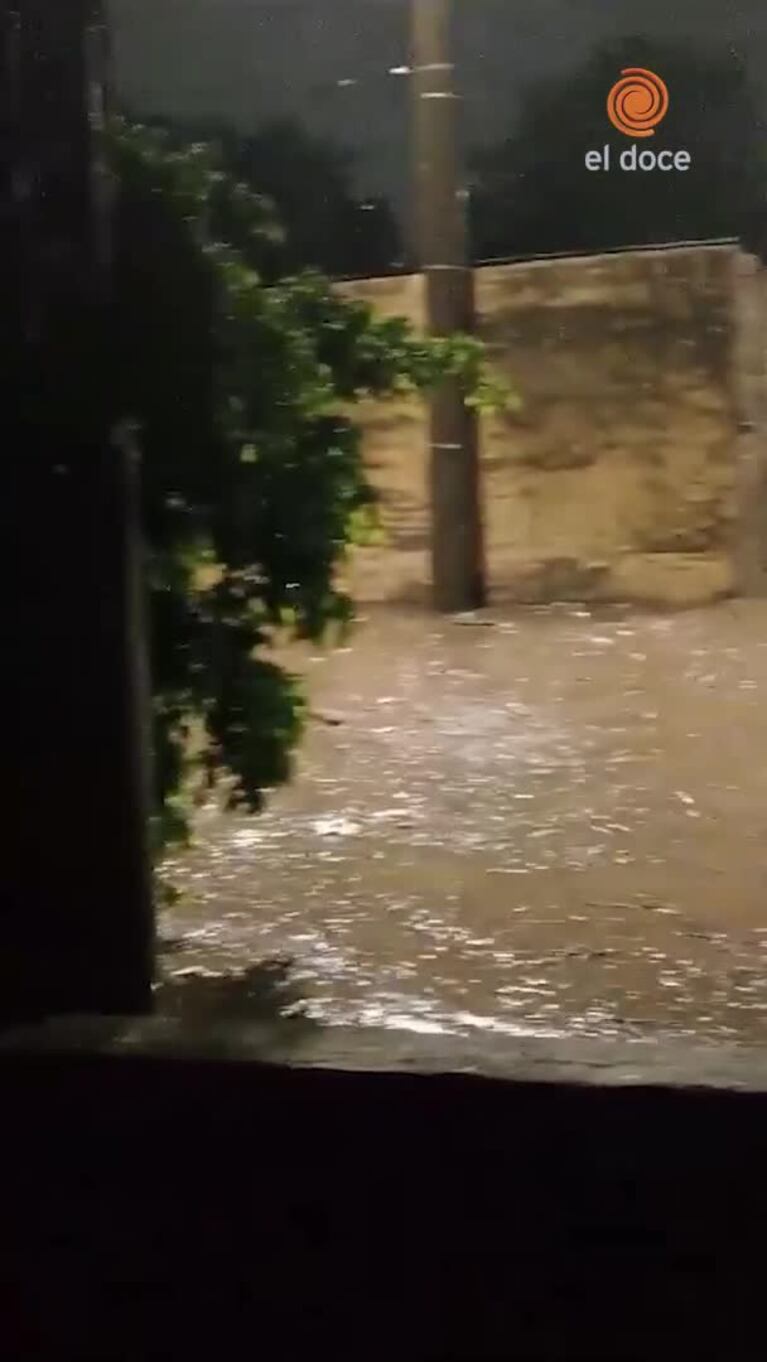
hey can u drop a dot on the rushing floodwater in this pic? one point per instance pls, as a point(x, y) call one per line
point(554, 824)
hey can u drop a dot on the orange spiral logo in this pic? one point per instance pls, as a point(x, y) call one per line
point(638, 102)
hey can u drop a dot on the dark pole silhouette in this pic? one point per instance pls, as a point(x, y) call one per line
point(75, 879)
point(441, 251)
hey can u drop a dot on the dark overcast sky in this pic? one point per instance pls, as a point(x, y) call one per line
point(249, 60)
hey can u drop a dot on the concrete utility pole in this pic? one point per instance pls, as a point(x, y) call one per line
point(441, 252)
point(76, 927)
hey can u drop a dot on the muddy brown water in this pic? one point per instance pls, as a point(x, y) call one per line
point(550, 824)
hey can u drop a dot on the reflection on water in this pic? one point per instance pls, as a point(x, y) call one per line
point(552, 825)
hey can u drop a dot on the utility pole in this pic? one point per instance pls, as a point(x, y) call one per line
point(441, 253)
point(76, 921)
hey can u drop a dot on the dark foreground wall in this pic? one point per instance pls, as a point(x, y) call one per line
point(161, 1207)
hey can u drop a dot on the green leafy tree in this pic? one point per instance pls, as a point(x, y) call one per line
point(327, 226)
point(254, 484)
point(324, 224)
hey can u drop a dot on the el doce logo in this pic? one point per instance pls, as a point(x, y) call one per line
point(638, 102)
point(636, 105)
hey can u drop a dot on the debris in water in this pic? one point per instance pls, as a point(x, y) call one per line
point(336, 827)
point(470, 621)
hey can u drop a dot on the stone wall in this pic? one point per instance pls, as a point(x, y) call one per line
point(636, 467)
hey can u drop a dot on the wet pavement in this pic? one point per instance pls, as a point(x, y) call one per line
point(550, 822)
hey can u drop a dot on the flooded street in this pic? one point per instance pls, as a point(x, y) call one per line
point(549, 824)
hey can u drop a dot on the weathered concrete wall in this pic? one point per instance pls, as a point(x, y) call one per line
point(749, 358)
point(635, 467)
point(396, 452)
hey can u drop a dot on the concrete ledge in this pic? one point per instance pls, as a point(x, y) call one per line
point(301, 1045)
point(374, 1196)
